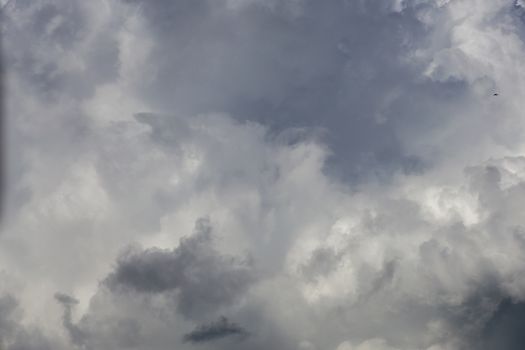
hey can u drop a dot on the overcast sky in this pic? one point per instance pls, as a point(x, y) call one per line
point(263, 174)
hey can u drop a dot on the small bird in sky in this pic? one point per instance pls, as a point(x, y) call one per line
point(495, 94)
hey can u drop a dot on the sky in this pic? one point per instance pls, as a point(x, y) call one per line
point(263, 174)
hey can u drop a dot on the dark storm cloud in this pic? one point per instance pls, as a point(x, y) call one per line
point(488, 319)
point(506, 328)
point(219, 329)
point(48, 61)
point(204, 279)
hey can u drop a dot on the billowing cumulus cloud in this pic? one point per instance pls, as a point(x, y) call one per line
point(248, 174)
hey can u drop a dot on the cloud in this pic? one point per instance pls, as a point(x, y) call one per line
point(65, 300)
point(215, 330)
point(372, 344)
point(202, 279)
point(7, 305)
point(308, 65)
point(504, 328)
point(16, 336)
point(76, 334)
point(364, 186)
point(289, 64)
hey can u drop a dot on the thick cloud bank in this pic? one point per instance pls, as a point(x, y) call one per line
point(277, 174)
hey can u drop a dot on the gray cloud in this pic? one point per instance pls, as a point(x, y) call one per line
point(307, 65)
point(219, 329)
point(76, 334)
point(504, 330)
point(203, 279)
point(16, 336)
point(313, 67)
point(66, 300)
point(7, 326)
point(365, 186)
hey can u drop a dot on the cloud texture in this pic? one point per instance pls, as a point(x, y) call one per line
point(248, 174)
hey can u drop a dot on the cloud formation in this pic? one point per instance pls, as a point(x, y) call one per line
point(216, 330)
point(202, 280)
point(329, 175)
